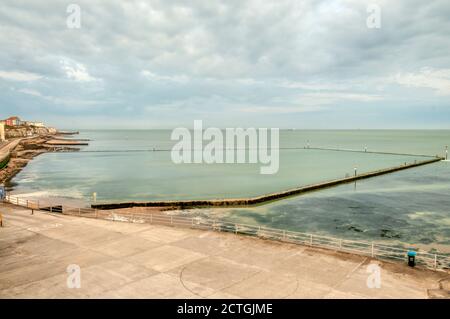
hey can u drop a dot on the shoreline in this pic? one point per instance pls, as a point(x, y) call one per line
point(28, 148)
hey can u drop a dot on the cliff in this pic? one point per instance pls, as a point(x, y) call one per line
point(25, 131)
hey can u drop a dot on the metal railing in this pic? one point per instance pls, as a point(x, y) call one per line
point(435, 261)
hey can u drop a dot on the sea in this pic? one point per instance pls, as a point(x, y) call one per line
point(410, 206)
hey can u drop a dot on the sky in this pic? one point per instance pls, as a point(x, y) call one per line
point(236, 63)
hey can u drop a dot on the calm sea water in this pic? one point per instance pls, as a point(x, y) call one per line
point(411, 206)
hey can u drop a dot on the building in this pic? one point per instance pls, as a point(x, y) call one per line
point(12, 121)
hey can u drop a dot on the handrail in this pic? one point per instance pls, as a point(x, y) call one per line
point(435, 261)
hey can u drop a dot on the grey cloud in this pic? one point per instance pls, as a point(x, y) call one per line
point(220, 56)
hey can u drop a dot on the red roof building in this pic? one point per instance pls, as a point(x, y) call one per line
point(12, 121)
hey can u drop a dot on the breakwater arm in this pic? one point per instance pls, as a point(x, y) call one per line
point(264, 198)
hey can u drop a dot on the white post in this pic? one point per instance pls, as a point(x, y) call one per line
point(373, 252)
point(435, 261)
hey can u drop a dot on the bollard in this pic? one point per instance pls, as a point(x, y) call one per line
point(373, 254)
point(1, 220)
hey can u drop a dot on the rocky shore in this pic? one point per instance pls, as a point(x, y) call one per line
point(25, 131)
point(27, 149)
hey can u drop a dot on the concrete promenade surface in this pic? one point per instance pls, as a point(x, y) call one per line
point(124, 260)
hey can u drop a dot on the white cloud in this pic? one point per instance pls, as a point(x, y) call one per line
point(31, 92)
point(19, 76)
point(436, 79)
point(281, 109)
point(164, 78)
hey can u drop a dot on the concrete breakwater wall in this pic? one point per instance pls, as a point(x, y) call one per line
point(264, 198)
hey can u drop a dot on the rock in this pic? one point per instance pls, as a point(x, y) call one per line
point(25, 131)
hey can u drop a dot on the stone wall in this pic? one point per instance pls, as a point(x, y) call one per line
point(25, 131)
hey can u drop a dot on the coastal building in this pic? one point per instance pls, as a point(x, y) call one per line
point(12, 121)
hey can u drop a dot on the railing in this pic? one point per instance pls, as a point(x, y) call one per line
point(433, 261)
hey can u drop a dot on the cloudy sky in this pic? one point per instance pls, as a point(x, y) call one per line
point(283, 63)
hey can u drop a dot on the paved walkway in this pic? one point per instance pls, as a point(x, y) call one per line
point(148, 261)
point(6, 147)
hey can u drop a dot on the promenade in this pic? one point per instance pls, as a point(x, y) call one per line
point(7, 147)
point(125, 260)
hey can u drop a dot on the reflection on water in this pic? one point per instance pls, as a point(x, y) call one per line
point(411, 206)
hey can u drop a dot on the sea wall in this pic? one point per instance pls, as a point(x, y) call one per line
point(25, 131)
point(264, 198)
